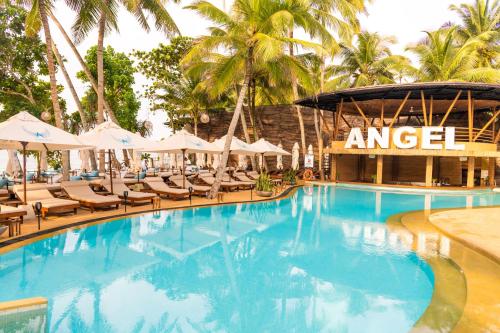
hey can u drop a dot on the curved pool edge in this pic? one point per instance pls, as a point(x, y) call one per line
point(17, 242)
point(466, 281)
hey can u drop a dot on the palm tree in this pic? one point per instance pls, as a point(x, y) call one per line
point(104, 15)
point(368, 62)
point(481, 20)
point(36, 20)
point(441, 60)
point(253, 35)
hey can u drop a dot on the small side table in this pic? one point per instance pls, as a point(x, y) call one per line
point(220, 196)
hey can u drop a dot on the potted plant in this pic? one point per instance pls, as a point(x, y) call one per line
point(290, 177)
point(264, 185)
point(374, 178)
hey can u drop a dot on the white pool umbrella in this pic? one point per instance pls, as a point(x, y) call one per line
point(26, 132)
point(242, 162)
point(216, 161)
point(84, 157)
point(43, 160)
point(200, 160)
point(279, 159)
point(237, 147)
point(183, 142)
point(266, 148)
point(109, 136)
point(295, 156)
point(13, 167)
point(310, 150)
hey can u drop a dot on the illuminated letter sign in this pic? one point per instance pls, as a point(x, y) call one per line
point(404, 138)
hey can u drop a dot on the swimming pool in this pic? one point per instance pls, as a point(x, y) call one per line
point(319, 260)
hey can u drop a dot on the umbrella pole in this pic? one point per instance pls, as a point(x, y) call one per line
point(183, 169)
point(24, 144)
point(110, 172)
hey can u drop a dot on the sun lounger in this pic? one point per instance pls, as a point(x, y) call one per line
point(133, 196)
point(243, 178)
point(253, 175)
point(40, 193)
point(80, 190)
point(210, 180)
point(12, 217)
point(241, 184)
point(201, 190)
point(158, 186)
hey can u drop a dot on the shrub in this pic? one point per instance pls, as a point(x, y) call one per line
point(264, 183)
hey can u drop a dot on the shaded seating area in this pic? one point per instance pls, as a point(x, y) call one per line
point(50, 204)
point(80, 191)
point(158, 186)
point(133, 197)
point(201, 190)
point(11, 219)
point(243, 178)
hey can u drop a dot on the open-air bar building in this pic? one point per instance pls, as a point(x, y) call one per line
point(421, 134)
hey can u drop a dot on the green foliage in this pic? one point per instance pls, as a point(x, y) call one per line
point(290, 176)
point(264, 183)
point(22, 67)
point(118, 87)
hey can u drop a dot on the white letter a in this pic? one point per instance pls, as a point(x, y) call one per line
point(355, 138)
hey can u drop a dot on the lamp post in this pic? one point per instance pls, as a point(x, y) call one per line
point(251, 192)
point(38, 211)
point(125, 196)
point(190, 189)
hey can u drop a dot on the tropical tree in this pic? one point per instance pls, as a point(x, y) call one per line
point(104, 16)
point(253, 35)
point(441, 60)
point(369, 61)
point(481, 20)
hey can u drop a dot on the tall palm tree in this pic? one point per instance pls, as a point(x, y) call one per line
point(252, 35)
point(36, 20)
point(368, 62)
point(441, 60)
point(481, 20)
point(103, 14)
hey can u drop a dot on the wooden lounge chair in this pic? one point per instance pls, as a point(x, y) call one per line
point(253, 175)
point(50, 204)
point(241, 184)
point(158, 186)
point(200, 190)
point(210, 180)
point(243, 178)
point(133, 196)
point(80, 190)
point(12, 217)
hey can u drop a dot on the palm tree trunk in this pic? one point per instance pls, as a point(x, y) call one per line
point(100, 82)
point(246, 134)
point(85, 68)
point(232, 127)
point(319, 138)
point(53, 83)
point(295, 92)
point(78, 103)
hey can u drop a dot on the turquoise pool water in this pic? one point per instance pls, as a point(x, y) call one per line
point(319, 261)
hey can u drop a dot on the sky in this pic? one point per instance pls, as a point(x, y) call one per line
point(404, 19)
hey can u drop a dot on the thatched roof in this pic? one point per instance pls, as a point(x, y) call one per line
point(486, 97)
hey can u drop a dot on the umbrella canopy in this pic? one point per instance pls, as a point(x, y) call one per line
point(237, 147)
point(13, 165)
point(26, 132)
point(265, 147)
point(23, 127)
point(310, 150)
point(295, 156)
point(200, 160)
point(183, 142)
point(84, 157)
point(279, 159)
point(242, 162)
point(109, 135)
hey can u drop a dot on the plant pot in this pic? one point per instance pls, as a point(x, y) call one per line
point(266, 194)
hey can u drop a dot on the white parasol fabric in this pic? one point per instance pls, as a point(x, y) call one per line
point(310, 150)
point(183, 141)
point(209, 160)
point(242, 162)
point(200, 160)
point(216, 161)
point(295, 156)
point(13, 165)
point(25, 131)
point(109, 135)
point(265, 147)
point(279, 159)
point(24, 127)
point(237, 147)
point(84, 157)
point(43, 160)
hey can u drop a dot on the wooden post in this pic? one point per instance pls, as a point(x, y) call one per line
point(470, 114)
point(380, 168)
point(450, 108)
point(401, 106)
point(382, 114)
point(470, 171)
point(424, 108)
point(491, 171)
point(429, 161)
point(431, 110)
point(333, 168)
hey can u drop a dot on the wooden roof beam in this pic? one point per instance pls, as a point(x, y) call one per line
point(401, 106)
point(424, 108)
point(487, 124)
point(450, 108)
point(360, 111)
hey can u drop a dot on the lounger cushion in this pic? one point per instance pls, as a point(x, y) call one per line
point(80, 191)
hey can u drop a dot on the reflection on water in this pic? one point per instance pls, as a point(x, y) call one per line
point(321, 260)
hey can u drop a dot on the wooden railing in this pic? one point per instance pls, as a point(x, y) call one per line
point(461, 135)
